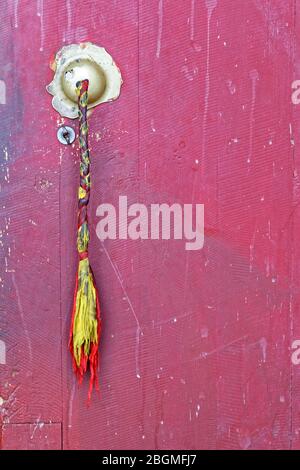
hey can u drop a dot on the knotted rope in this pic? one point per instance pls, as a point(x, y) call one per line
point(86, 323)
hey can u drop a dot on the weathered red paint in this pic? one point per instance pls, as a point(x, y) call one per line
point(195, 350)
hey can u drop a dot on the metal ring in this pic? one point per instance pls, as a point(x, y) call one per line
point(66, 135)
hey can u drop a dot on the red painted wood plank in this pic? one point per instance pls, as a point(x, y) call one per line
point(114, 419)
point(180, 298)
point(294, 225)
point(254, 202)
point(30, 381)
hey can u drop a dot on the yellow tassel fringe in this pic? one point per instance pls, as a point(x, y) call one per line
point(85, 320)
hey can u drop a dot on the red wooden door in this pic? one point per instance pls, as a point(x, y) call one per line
point(196, 346)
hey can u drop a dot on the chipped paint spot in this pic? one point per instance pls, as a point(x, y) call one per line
point(204, 332)
point(2, 352)
point(263, 344)
point(245, 442)
point(231, 87)
point(2, 92)
point(189, 74)
point(211, 5)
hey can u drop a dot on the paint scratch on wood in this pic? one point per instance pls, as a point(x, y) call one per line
point(139, 331)
point(160, 27)
point(2, 92)
point(23, 318)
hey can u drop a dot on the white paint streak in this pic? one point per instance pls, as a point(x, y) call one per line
point(263, 344)
point(2, 92)
point(40, 14)
point(192, 21)
point(16, 21)
point(251, 250)
point(160, 27)
point(292, 140)
point(2, 352)
point(204, 355)
point(187, 257)
point(210, 5)
point(36, 425)
point(68, 35)
point(139, 331)
point(253, 76)
point(70, 412)
point(22, 318)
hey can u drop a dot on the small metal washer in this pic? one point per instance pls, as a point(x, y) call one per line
point(66, 135)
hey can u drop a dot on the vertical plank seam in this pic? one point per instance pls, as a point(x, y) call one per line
point(139, 195)
point(60, 304)
point(293, 65)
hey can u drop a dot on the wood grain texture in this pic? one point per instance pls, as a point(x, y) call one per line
point(35, 436)
point(196, 346)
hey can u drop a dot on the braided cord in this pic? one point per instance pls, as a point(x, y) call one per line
point(83, 235)
point(86, 323)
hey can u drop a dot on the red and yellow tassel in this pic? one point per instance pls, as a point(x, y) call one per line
point(86, 323)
